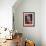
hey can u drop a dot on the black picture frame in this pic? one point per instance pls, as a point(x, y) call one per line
point(28, 19)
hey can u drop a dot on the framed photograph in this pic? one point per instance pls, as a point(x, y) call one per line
point(28, 19)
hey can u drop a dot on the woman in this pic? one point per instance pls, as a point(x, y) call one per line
point(28, 19)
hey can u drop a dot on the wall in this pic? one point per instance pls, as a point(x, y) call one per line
point(43, 22)
point(6, 13)
point(32, 33)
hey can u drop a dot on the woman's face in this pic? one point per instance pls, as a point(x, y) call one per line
point(28, 18)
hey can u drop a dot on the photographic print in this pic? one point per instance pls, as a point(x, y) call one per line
point(28, 19)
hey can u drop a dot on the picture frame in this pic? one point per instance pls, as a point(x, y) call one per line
point(28, 19)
